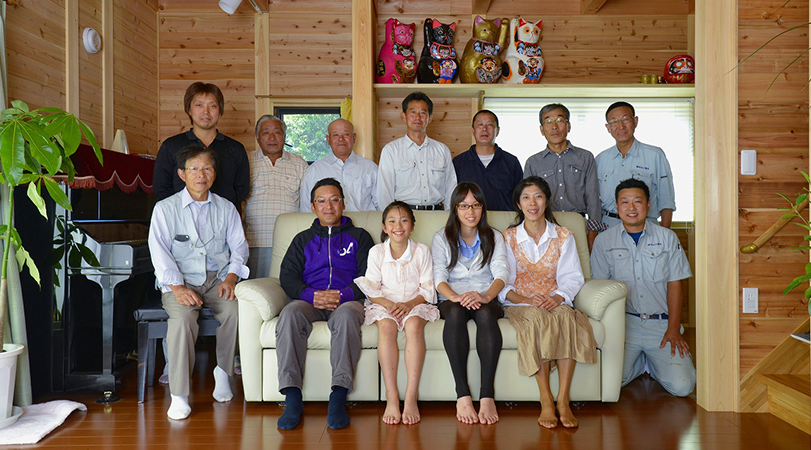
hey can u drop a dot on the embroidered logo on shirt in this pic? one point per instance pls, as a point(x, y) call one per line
point(643, 167)
point(347, 250)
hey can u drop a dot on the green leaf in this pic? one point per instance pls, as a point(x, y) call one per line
point(36, 199)
point(32, 268)
point(71, 136)
point(42, 148)
point(51, 109)
point(807, 293)
point(57, 124)
point(91, 138)
point(785, 198)
point(12, 112)
point(791, 286)
point(19, 104)
point(12, 153)
point(74, 259)
point(802, 247)
point(788, 216)
point(57, 194)
point(800, 198)
point(88, 255)
point(807, 179)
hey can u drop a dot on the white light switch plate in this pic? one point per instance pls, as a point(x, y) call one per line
point(750, 303)
point(748, 162)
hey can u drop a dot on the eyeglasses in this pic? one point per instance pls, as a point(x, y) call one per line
point(332, 200)
point(559, 120)
point(625, 120)
point(466, 206)
point(195, 170)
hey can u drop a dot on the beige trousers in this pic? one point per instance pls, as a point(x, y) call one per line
point(182, 333)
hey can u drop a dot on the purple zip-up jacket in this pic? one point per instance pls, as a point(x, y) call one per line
point(322, 258)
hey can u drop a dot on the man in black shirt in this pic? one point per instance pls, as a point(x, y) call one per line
point(204, 105)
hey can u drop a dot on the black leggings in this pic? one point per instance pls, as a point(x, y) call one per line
point(457, 343)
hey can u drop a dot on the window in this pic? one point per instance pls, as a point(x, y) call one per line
point(663, 122)
point(307, 129)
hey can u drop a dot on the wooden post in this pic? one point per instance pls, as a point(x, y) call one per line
point(72, 45)
point(108, 75)
point(364, 99)
point(716, 207)
point(262, 65)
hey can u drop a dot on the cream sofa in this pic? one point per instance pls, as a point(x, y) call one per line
point(261, 300)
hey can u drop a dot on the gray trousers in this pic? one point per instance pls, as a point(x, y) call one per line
point(182, 332)
point(293, 329)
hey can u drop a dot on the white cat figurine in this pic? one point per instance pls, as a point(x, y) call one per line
point(523, 62)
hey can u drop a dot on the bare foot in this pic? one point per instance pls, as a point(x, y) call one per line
point(465, 412)
point(411, 412)
point(392, 414)
point(567, 418)
point(487, 411)
point(548, 419)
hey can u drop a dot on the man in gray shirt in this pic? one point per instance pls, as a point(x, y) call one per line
point(650, 261)
point(569, 170)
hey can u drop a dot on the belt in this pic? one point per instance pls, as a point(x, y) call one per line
point(610, 214)
point(426, 207)
point(649, 316)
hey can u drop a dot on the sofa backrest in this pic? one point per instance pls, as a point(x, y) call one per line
point(428, 222)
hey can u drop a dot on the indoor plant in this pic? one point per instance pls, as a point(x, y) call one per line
point(34, 146)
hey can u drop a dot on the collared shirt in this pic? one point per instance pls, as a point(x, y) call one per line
point(468, 251)
point(233, 171)
point(569, 274)
point(468, 274)
point(643, 162)
point(274, 190)
point(572, 178)
point(497, 180)
point(645, 268)
point(358, 178)
point(415, 174)
point(161, 240)
point(401, 279)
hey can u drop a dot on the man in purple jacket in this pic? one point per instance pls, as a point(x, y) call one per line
point(319, 268)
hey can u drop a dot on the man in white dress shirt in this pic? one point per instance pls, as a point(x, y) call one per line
point(199, 251)
point(415, 168)
point(357, 175)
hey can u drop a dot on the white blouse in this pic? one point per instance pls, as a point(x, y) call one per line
point(399, 280)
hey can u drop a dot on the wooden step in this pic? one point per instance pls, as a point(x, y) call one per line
point(790, 398)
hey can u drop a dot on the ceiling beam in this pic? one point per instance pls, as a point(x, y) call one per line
point(591, 6)
point(480, 6)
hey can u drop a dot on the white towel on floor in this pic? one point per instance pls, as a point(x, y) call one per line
point(37, 421)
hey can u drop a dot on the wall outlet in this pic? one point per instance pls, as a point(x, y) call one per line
point(750, 303)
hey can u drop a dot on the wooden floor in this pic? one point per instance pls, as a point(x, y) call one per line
point(646, 417)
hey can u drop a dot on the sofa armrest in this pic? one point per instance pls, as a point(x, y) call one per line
point(259, 301)
point(597, 295)
point(265, 294)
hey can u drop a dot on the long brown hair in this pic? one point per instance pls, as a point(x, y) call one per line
point(519, 189)
point(453, 226)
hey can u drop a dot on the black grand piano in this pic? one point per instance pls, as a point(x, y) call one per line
point(112, 206)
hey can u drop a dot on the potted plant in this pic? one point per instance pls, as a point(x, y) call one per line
point(34, 146)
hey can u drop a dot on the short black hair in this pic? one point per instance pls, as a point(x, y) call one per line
point(484, 111)
point(631, 183)
point(418, 97)
point(193, 151)
point(616, 105)
point(326, 182)
point(552, 107)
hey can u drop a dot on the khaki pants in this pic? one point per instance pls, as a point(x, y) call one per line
point(182, 332)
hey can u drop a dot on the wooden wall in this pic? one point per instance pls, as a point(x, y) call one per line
point(135, 82)
point(775, 123)
point(35, 49)
point(90, 70)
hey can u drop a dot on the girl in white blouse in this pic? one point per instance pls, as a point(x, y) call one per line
point(399, 285)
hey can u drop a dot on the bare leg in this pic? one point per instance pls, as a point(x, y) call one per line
point(565, 373)
point(487, 411)
point(465, 412)
point(414, 358)
point(547, 419)
point(389, 355)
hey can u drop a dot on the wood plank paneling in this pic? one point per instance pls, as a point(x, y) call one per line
point(135, 74)
point(450, 124)
point(775, 123)
point(91, 73)
point(35, 48)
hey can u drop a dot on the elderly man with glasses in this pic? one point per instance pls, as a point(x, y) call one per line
point(630, 158)
point(569, 170)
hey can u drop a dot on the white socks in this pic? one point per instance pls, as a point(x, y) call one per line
point(222, 386)
point(179, 409)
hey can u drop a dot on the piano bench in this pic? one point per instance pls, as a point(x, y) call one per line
point(152, 325)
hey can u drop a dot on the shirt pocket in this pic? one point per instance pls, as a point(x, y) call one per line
point(575, 175)
point(437, 167)
point(547, 175)
point(406, 174)
point(654, 263)
point(622, 267)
